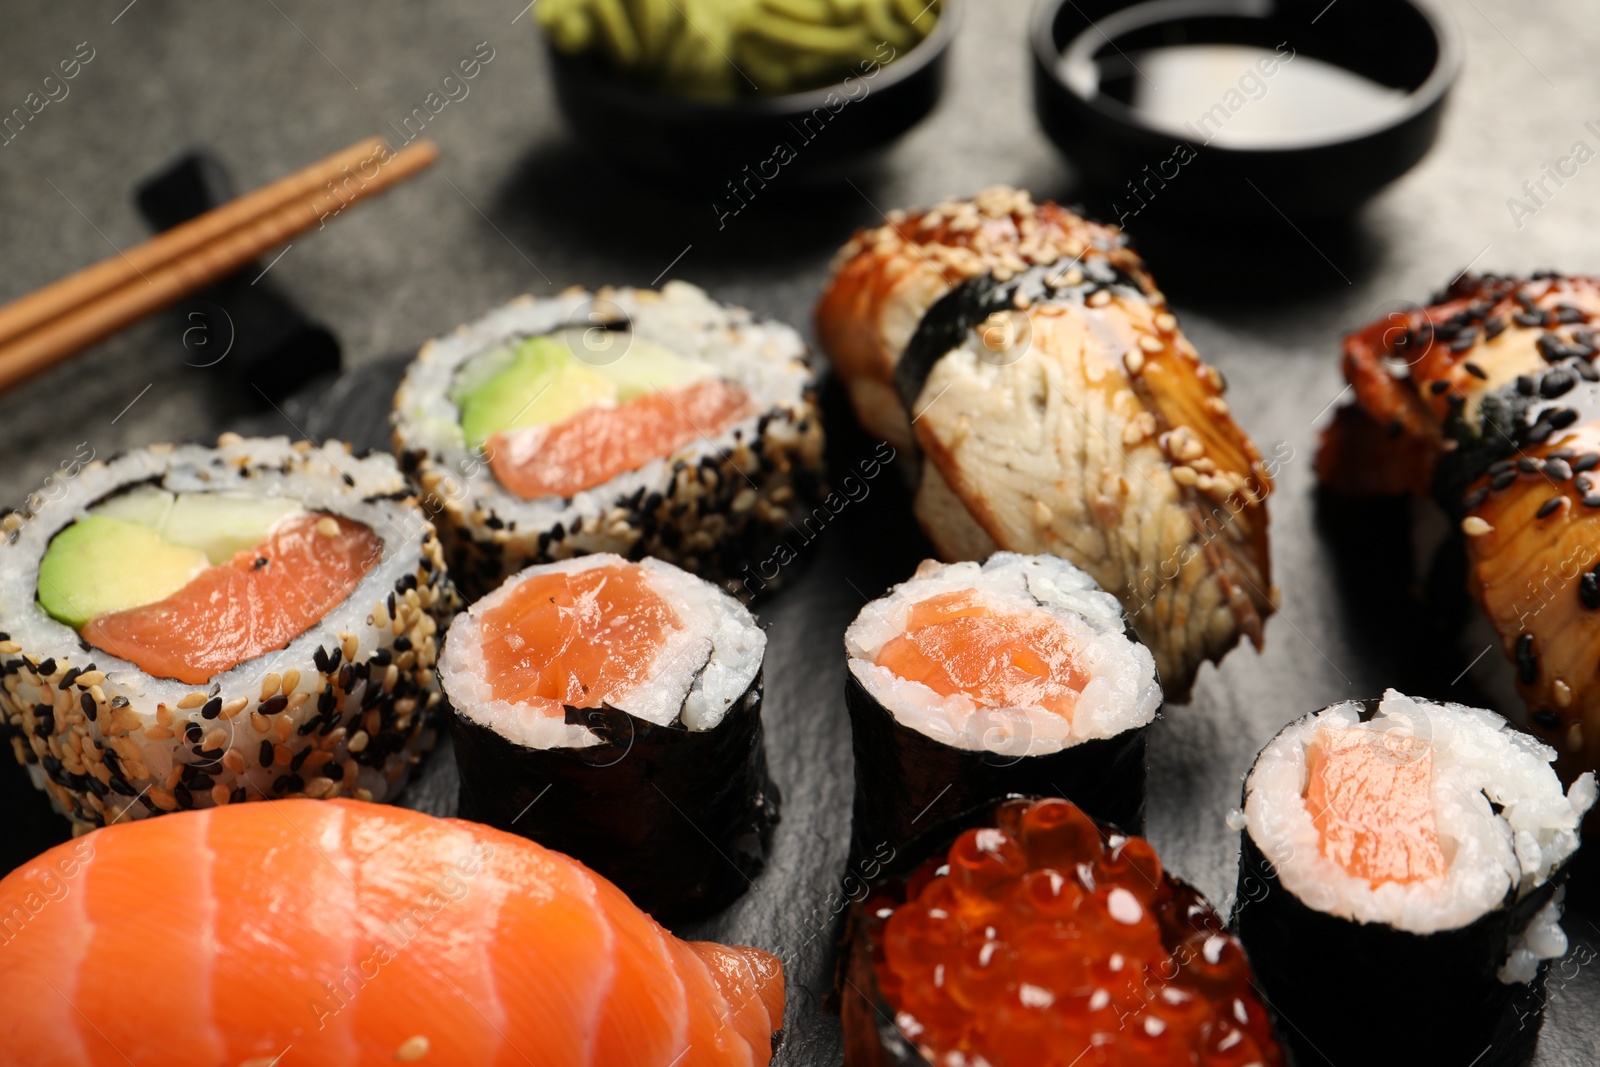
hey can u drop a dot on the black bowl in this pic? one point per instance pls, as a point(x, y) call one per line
point(1407, 45)
point(820, 128)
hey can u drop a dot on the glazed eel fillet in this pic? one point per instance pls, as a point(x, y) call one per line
point(1489, 399)
point(1025, 354)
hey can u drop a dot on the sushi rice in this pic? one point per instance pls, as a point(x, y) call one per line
point(347, 707)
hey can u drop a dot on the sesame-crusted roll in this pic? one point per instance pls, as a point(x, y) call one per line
point(186, 627)
point(629, 421)
point(1058, 409)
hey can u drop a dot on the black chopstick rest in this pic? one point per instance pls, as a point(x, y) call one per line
point(244, 327)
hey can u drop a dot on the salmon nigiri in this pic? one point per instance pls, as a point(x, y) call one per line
point(306, 932)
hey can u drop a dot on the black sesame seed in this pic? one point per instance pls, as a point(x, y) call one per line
point(1494, 327)
point(1475, 498)
point(1500, 465)
point(1527, 662)
point(1556, 383)
point(335, 771)
point(325, 701)
point(288, 783)
point(320, 657)
point(1545, 719)
point(261, 561)
point(1591, 500)
point(1560, 418)
point(1528, 319)
point(1503, 479)
point(47, 721)
point(299, 759)
point(1475, 370)
point(1586, 370)
point(1569, 314)
point(47, 668)
point(307, 726)
point(1589, 590)
point(1558, 469)
point(1551, 348)
point(402, 644)
point(182, 795)
point(237, 796)
point(212, 709)
point(123, 786)
point(273, 705)
point(68, 678)
point(1437, 386)
point(1586, 462)
point(91, 710)
point(265, 755)
point(1529, 465)
point(1526, 385)
point(1549, 507)
point(193, 732)
point(1538, 432)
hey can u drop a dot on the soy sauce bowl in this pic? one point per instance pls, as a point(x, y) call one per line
point(813, 131)
point(1089, 81)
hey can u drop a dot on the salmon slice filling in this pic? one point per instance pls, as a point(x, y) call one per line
point(954, 643)
point(578, 640)
point(599, 443)
point(258, 601)
point(1370, 797)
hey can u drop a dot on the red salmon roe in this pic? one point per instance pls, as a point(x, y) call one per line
point(1038, 943)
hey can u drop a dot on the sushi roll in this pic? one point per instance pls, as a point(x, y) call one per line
point(1408, 854)
point(1038, 938)
point(1024, 354)
point(188, 627)
point(629, 421)
point(970, 682)
point(612, 710)
point(358, 935)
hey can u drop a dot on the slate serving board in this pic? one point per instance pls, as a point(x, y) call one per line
point(514, 206)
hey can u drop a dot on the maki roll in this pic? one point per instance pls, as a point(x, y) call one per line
point(186, 627)
point(612, 710)
point(1057, 407)
point(627, 421)
point(970, 682)
point(1039, 939)
point(1406, 853)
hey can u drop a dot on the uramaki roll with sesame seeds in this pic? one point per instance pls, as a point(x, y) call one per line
point(630, 421)
point(185, 627)
point(1058, 408)
point(1406, 853)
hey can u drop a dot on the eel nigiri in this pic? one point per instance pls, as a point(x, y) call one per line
point(305, 932)
point(1489, 398)
point(1026, 355)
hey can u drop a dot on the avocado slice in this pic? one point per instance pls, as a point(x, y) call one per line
point(220, 524)
point(543, 380)
point(99, 565)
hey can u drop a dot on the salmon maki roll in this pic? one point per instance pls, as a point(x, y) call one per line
point(968, 683)
point(612, 710)
point(1057, 408)
point(1040, 938)
point(189, 627)
point(627, 421)
point(303, 933)
point(1410, 853)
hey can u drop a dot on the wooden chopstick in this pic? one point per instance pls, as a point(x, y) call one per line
point(44, 327)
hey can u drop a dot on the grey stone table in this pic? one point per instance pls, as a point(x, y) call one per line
point(515, 206)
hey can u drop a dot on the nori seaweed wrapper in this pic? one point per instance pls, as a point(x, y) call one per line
point(945, 326)
point(680, 820)
point(1369, 993)
point(906, 781)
